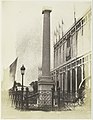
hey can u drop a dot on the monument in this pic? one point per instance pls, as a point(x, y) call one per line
point(44, 82)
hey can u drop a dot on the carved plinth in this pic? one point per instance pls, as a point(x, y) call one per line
point(45, 93)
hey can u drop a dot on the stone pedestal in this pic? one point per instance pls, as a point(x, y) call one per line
point(45, 93)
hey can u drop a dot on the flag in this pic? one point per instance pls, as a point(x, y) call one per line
point(12, 68)
point(57, 30)
point(62, 27)
point(74, 15)
point(62, 22)
point(55, 33)
point(59, 25)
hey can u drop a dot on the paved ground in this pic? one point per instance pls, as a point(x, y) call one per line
point(8, 112)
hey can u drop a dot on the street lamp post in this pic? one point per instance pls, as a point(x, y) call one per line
point(22, 73)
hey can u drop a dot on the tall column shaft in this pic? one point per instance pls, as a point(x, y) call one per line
point(62, 81)
point(46, 44)
point(76, 80)
point(71, 80)
point(66, 81)
point(54, 59)
point(82, 73)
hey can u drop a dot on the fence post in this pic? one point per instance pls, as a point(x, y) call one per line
point(16, 94)
point(27, 90)
point(17, 99)
point(22, 101)
point(12, 98)
point(52, 97)
point(58, 90)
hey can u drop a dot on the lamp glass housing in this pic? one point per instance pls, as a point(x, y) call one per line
point(22, 70)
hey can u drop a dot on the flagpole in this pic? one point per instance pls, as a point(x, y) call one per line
point(56, 33)
point(74, 15)
point(62, 27)
point(59, 30)
point(55, 36)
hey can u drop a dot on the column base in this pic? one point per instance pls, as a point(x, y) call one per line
point(45, 93)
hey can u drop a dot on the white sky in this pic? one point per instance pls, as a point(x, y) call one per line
point(22, 29)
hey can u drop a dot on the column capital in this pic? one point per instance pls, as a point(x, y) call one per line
point(46, 10)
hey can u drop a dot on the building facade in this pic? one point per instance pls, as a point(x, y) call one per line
point(72, 57)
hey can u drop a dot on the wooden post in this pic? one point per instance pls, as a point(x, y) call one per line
point(22, 103)
point(19, 99)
